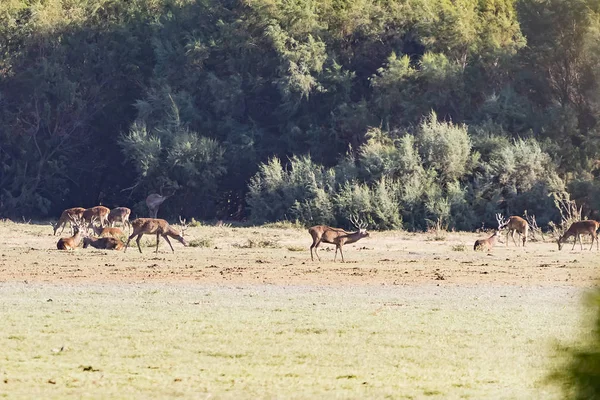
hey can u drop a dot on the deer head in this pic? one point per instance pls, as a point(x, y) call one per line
point(501, 221)
point(360, 225)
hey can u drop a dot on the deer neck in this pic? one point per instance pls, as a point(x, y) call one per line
point(352, 237)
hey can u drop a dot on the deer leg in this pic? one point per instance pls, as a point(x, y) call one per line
point(316, 248)
point(138, 241)
point(128, 240)
point(507, 233)
point(512, 235)
point(311, 250)
point(593, 237)
point(575, 241)
point(341, 253)
point(157, 241)
point(168, 241)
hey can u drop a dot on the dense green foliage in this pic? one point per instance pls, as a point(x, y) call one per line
point(406, 111)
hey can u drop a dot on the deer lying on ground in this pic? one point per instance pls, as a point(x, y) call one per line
point(98, 212)
point(338, 237)
point(116, 233)
point(66, 216)
point(107, 243)
point(119, 214)
point(72, 242)
point(489, 243)
point(588, 227)
point(514, 224)
point(160, 227)
point(486, 244)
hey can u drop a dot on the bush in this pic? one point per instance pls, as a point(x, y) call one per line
point(579, 376)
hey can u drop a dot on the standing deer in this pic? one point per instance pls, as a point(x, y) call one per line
point(72, 242)
point(489, 243)
point(588, 227)
point(67, 216)
point(153, 201)
point(98, 212)
point(107, 243)
point(160, 227)
point(119, 214)
point(338, 237)
point(515, 224)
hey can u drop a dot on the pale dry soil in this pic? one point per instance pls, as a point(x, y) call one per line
point(247, 314)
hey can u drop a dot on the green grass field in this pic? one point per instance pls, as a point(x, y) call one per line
point(206, 341)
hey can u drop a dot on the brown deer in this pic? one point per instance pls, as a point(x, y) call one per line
point(489, 243)
point(587, 227)
point(514, 224)
point(107, 243)
point(160, 227)
point(119, 214)
point(72, 242)
point(338, 237)
point(66, 216)
point(98, 212)
point(105, 232)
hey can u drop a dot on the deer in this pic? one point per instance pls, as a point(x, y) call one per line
point(587, 227)
point(153, 201)
point(160, 227)
point(489, 243)
point(119, 214)
point(514, 224)
point(66, 216)
point(338, 237)
point(105, 232)
point(99, 212)
point(107, 243)
point(72, 242)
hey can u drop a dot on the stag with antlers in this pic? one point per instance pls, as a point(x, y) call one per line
point(489, 243)
point(67, 216)
point(338, 237)
point(513, 224)
point(160, 227)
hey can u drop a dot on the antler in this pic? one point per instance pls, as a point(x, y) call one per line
point(501, 221)
point(183, 224)
point(357, 222)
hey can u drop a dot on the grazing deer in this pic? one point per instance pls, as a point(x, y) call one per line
point(107, 243)
point(72, 242)
point(98, 212)
point(338, 237)
point(160, 227)
point(119, 214)
point(514, 224)
point(588, 227)
point(489, 243)
point(66, 216)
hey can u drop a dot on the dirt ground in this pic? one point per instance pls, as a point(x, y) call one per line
point(246, 256)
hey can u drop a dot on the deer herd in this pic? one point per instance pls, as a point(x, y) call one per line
point(108, 237)
point(101, 221)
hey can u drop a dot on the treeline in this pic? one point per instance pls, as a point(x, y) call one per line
point(407, 111)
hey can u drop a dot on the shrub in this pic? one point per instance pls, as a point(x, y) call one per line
point(579, 375)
